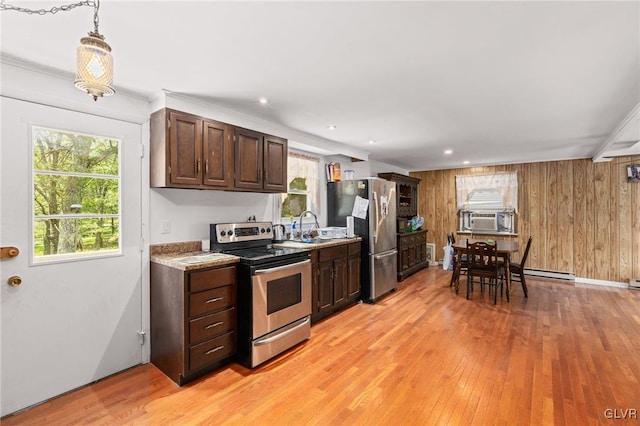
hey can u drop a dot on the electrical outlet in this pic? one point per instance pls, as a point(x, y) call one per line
point(165, 227)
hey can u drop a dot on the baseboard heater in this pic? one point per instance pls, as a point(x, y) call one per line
point(558, 275)
point(634, 283)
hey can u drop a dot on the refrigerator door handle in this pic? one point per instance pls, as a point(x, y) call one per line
point(375, 206)
point(382, 256)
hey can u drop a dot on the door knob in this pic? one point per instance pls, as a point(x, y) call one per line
point(14, 281)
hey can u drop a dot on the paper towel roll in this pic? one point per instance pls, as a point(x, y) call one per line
point(350, 230)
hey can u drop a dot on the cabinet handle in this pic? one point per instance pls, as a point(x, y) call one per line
point(198, 166)
point(215, 299)
point(210, 351)
point(206, 167)
point(213, 325)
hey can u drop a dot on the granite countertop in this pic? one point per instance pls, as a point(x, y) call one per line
point(188, 256)
point(317, 243)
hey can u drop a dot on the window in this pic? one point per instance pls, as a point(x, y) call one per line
point(76, 195)
point(303, 190)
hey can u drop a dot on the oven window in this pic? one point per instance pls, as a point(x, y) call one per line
point(283, 293)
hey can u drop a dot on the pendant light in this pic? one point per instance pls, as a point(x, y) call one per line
point(94, 63)
point(94, 66)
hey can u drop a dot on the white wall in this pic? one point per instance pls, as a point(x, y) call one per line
point(372, 168)
point(363, 169)
point(189, 212)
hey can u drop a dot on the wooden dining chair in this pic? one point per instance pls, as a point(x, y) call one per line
point(459, 264)
point(482, 262)
point(517, 269)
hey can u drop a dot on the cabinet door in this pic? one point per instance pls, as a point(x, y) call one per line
point(353, 284)
point(411, 252)
point(339, 281)
point(275, 164)
point(404, 259)
point(325, 285)
point(217, 149)
point(185, 145)
point(248, 159)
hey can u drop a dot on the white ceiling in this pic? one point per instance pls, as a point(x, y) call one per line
point(496, 82)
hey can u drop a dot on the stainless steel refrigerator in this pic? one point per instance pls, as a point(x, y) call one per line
point(375, 221)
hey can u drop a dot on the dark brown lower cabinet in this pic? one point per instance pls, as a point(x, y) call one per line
point(412, 253)
point(193, 320)
point(336, 278)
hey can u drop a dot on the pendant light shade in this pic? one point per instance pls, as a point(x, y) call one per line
point(94, 73)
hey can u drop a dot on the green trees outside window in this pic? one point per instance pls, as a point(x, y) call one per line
point(295, 201)
point(76, 194)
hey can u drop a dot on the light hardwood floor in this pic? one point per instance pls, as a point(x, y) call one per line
point(423, 355)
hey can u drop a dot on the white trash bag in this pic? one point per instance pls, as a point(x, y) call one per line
point(447, 263)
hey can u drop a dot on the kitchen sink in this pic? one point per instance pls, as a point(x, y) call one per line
point(297, 242)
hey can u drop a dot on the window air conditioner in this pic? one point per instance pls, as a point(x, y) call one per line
point(484, 222)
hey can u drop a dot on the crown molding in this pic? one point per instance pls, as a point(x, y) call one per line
point(605, 153)
point(17, 62)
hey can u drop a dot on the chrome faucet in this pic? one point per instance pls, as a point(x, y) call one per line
point(308, 235)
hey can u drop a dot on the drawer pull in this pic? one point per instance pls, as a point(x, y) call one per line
point(214, 325)
point(216, 349)
point(215, 299)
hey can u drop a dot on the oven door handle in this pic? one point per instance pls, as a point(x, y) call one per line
point(281, 268)
point(291, 328)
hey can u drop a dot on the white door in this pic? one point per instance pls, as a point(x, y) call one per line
point(68, 323)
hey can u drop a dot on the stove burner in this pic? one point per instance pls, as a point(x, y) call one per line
point(260, 253)
point(251, 244)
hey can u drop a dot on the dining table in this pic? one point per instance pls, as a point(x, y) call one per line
point(504, 249)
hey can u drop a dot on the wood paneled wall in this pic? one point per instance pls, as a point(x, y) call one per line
point(584, 217)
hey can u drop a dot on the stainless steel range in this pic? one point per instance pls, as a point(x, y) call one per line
point(274, 290)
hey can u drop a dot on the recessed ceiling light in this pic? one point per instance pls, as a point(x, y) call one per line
point(448, 151)
point(465, 162)
point(263, 101)
point(331, 127)
point(372, 141)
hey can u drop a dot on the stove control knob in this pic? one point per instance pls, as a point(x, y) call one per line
point(268, 229)
point(262, 231)
point(223, 233)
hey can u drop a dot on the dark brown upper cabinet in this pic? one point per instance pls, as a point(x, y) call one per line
point(406, 193)
point(260, 161)
point(217, 149)
point(188, 151)
point(275, 164)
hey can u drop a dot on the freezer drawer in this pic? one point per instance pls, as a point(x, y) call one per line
point(383, 273)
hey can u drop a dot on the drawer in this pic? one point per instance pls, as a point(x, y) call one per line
point(204, 328)
point(213, 350)
point(354, 248)
point(212, 278)
point(331, 253)
point(212, 300)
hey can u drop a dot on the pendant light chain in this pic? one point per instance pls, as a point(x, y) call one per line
point(53, 10)
point(96, 20)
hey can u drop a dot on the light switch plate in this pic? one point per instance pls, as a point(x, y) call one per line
point(165, 227)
